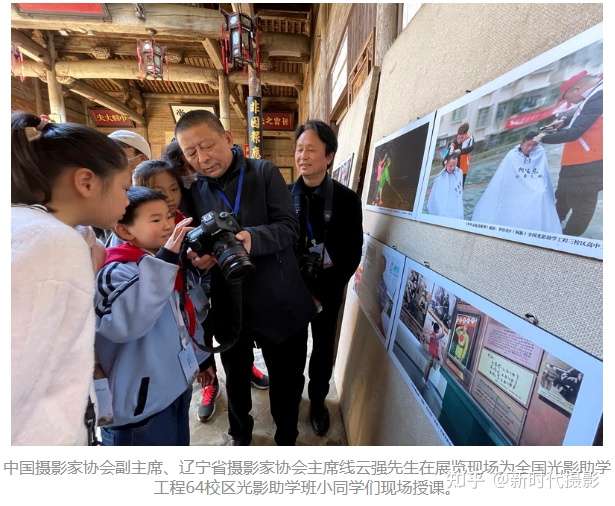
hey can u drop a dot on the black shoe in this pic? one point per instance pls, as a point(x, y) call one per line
point(259, 379)
point(319, 418)
point(246, 439)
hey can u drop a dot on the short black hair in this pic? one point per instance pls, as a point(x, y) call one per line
point(325, 134)
point(452, 154)
point(173, 155)
point(137, 196)
point(464, 128)
point(194, 118)
point(530, 135)
point(144, 172)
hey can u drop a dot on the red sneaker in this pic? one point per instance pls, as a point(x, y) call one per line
point(208, 401)
point(259, 379)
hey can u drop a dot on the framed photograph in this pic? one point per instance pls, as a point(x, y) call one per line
point(178, 110)
point(397, 164)
point(491, 378)
point(377, 283)
point(343, 171)
point(463, 337)
point(520, 158)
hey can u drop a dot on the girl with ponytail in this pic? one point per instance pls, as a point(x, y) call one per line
point(63, 176)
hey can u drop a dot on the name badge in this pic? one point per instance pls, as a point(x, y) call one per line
point(189, 363)
point(320, 249)
point(104, 402)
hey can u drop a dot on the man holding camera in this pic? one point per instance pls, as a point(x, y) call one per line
point(580, 178)
point(329, 249)
point(276, 305)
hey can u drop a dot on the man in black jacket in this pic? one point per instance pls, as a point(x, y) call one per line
point(329, 248)
point(276, 304)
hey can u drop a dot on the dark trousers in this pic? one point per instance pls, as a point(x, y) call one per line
point(285, 363)
point(577, 191)
point(169, 427)
point(324, 327)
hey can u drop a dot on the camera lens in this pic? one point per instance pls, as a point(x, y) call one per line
point(232, 258)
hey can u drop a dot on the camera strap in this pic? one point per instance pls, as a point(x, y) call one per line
point(327, 186)
point(234, 208)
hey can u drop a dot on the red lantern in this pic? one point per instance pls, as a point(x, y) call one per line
point(150, 56)
point(239, 41)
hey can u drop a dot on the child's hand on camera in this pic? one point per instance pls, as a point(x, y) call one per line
point(175, 241)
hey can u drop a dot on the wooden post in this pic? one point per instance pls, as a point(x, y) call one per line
point(254, 82)
point(86, 113)
point(255, 114)
point(225, 101)
point(37, 95)
point(386, 30)
point(57, 109)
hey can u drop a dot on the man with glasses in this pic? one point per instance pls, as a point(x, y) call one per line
point(276, 303)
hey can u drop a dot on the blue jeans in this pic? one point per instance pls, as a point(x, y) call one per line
point(169, 427)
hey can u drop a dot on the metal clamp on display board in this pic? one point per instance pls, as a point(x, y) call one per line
point(531, 318)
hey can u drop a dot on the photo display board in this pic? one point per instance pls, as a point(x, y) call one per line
point(520, 158)
point(377, 282)
point(342, 172)
point(486, 376)
point(398, 161)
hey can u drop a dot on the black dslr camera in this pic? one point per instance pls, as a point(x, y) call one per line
point(216, 236)
point(310, 266)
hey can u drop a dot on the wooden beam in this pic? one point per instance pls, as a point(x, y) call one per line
point(180, 96)
point(102, 98)
point(124, 69)
point(57, 109)
point(164, 19)
point(244, 8)
point(284, 15)
point(30, 48)
point(237, 104)
point(224, 102)
point(295, 47)
point(280, 100)
point(38, 98)
point(281, 45)
point(213, 51)
point(269, 77)
point(119, 47)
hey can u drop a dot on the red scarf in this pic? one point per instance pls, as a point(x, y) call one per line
point(128, 253)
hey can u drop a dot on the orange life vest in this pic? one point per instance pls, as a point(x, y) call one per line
point(587, 148)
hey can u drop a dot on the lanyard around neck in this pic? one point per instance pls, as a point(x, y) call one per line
point(235, 208)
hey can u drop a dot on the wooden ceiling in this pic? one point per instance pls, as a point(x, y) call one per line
point(72, 45)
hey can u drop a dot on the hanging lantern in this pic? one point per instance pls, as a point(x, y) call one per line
point(150, 56)
point(17, 62)
point(239, 42)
